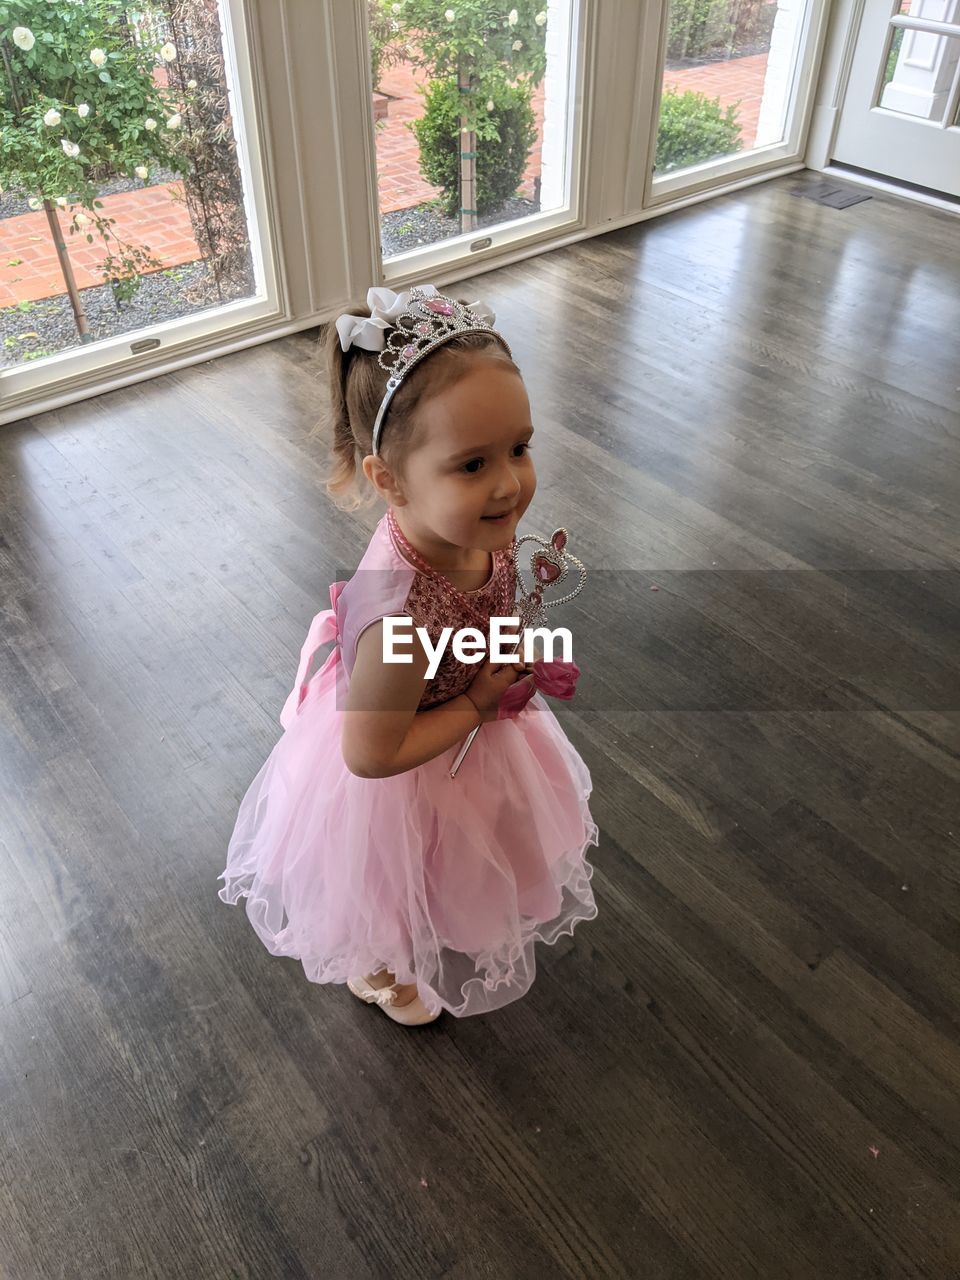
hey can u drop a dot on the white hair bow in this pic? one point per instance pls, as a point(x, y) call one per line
point(386, 308)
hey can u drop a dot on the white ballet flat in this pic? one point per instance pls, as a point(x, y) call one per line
point(414, 1014)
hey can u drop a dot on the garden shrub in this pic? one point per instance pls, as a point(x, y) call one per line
point(705, 28)
point(694, 128)
point(505, 135)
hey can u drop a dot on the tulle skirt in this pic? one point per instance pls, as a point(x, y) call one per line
point(447, 882)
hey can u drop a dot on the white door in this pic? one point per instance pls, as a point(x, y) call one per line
point(901, 110)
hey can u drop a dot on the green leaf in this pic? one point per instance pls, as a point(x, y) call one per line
point(105, 77)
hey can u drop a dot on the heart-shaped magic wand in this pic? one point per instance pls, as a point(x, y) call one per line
point(549, 566)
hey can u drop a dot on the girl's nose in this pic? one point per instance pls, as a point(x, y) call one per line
point(508, 484)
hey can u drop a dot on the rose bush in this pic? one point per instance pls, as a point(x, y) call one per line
point(78, 100)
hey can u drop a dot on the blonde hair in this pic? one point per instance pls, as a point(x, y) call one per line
point(356, 386)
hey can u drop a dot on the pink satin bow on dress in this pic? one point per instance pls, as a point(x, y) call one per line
point(323, 629)
point(557, 679)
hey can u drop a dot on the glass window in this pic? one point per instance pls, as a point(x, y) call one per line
point(472, 115)
point(728, 78)
point(123, 202)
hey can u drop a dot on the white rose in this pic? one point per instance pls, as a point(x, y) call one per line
point(517, 44)
point(34, 204)
point(514, 18)
point(83, 111)
point(97, 57)
point(540, 19)
point(71, 148)
point(141, 171)
point(174, 121)
point(61, 202)
point(489, 104)
point(449, 15)
point(81, 220)
point(149, 124)
point(397, 8)
point(52, 117)
point(191, 84)
point(24, 38)
point(169, 52)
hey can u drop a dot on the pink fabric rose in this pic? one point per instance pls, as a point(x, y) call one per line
point(557, 679)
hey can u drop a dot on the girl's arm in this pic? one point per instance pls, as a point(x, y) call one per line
point(383, 734)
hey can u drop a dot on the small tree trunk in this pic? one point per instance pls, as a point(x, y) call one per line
point(66, 269)
point(79, 315)
point(468, 160)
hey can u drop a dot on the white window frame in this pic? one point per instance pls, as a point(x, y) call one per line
point(760, 160)
point(115, 361)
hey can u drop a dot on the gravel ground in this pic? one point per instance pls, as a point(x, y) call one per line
point(425, 224)
point(37, 329)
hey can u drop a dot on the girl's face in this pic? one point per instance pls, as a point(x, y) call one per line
point(471, 461)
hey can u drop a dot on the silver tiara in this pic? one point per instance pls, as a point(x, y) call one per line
point(427, 321)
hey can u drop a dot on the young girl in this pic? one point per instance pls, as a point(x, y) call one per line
point(359, 854)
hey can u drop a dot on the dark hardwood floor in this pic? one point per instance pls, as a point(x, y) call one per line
point(748, 1065)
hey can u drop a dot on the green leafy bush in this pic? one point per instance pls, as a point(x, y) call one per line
point(694, 128)
point(505, 131)
point(384, 33)
point(79, 99)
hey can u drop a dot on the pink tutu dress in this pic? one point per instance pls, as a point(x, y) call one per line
point(446, 882)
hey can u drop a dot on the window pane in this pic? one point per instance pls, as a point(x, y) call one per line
point(919, 72)
point(502, 72)
point(149, 204)
point(728, 78)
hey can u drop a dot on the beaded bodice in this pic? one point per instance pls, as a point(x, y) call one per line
point(434, 603)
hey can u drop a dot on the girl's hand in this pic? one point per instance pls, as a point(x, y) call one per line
point(489, 684)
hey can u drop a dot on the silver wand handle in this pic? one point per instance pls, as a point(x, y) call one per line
point(473, 733)
point(463, 751)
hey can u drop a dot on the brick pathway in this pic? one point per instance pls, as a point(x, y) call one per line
point(152, 217)
point(149, 217)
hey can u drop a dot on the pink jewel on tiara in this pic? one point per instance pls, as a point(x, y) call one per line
point(409, 352)
point(439, 307)
point(423, 328)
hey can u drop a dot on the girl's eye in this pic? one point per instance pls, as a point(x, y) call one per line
point(473, 466)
